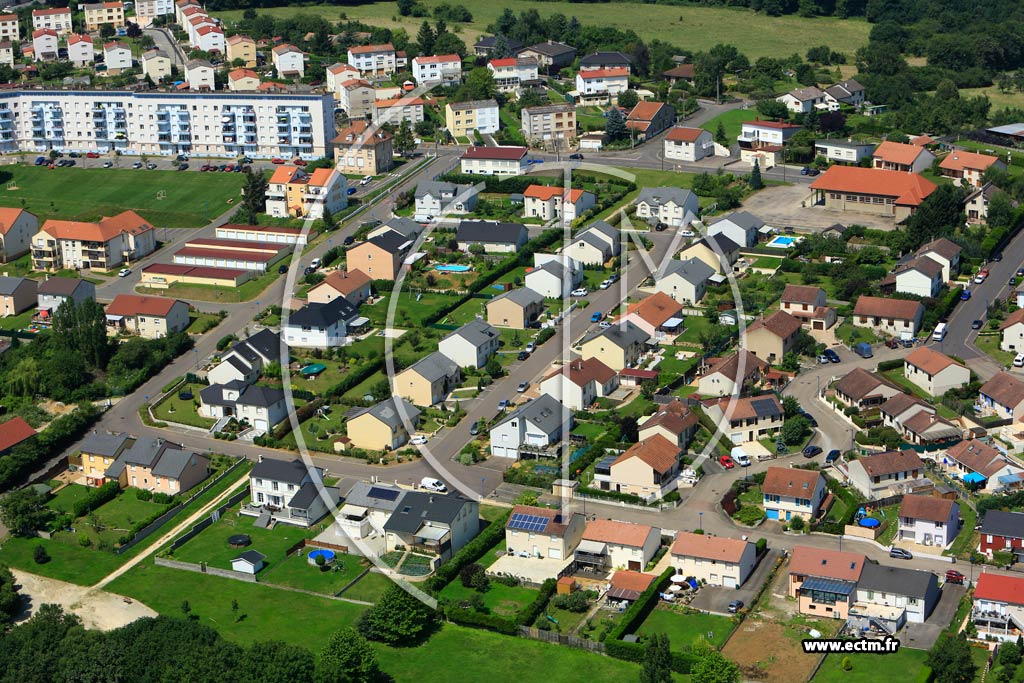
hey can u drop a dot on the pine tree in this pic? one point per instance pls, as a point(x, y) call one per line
point(404, 141)
point(720, 136)
point(755, 177)
point(425, 39)
point(615, 125)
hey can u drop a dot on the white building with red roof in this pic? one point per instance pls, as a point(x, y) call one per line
point(10, 28)
point(437, 69)
point(289, 61)
point(689, 144)
point(57, 18)
point(150, 317)
point(494, 160)
point(80, 50)
point(998, 609)
point(511, 72)
point(601, 86)
point(714, 560)
point(44, 45)
point(789, 492)
point(548, 202)
point(578, 383)
point(610, 544)
point(374, 60)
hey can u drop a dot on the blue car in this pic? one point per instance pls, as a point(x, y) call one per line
point(40, 161)
point(832, 356)
point(596, 318)
point(535, 161)
point(965, 295)
point(351, 191)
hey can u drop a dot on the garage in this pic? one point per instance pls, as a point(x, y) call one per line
point(729, 581)
point(635, 566)
point(261, 425)
point(772, 514)
point(555, 553)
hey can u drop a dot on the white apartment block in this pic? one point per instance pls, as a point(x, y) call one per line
point(210, 39)
point(446, 69)
point(199, 74)
point(602, 83)
point(289, 61)
point(373, 60)
point(511, 72)
point(10, 29)
point(44, 45)
point(117, 57)
point(395, 111)
point(215, 124)
point(356, 97)
point(80, 50)
point(59, 19)
point(147, 10)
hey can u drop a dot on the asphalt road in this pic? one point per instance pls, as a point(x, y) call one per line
point(165, 41)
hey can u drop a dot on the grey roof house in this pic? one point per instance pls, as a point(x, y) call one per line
point(494, 237)
point(533, 427)
point(471, 345)
point(435, 198)
point(672, 206)
point(17, 294)
point(428, 381)
point(741, 227)
point(440, 524)
point(288, 492)
point(684, 281)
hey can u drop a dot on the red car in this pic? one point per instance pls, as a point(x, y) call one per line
point(726, 462)
point(204, 167)
point(275, 160)
point(229, 168)
point(92, 155)
point(953, 576)
point(300, 162)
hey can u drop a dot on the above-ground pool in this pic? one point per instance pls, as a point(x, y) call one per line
point(452, 268)
point(328, 555)
point(781, 242)
point(869, 523)
point(312, 370)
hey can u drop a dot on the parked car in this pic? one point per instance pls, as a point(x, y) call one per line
point(576, 155)
point(1013, 281)
point(350, 191)
point(535, 160)
point(981, 276)
point(687, 233)
point(735, 606)
point(832, 456)
point(596, 317)
point(281, 269)
point(432, 484)
point(806, 170)
point(277, 160)
point(965, 295)
point(92, 155)
point(953, 576)
point(523, 386)
point(299, 162)
point(137, 164)
point(108, 163)
point(151, 166)
point(124, 272)
point(418, 440)
point(863, 349)
point(900, 554)
point(605, 284)
point(474, 429)
point(582, 291)
point(824, 359)
point(503, 404)
point(523, 355)
point(182, 167)
point(366, 180)
point(997, 257)
point(976, 324)
point(726, 462)
point(811, 451)
point(69, 162)
point(604, 324)
point(230, 168)
point(833, 356)
point(349, 239)
point(813, 172)
point(743, 460)
point(1020, 272)
point(531, 347)
point(40, 161)
point(181, 157)
point(74, 155)
point(660, 227)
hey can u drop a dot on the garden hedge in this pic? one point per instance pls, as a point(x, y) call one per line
point(631, 619)
point(96, 498)
point(469, 554)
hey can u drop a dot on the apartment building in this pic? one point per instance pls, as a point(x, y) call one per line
point(434, 69)
point(338, 73)
point(80, 50)
point(156, 64)
point(241, 47)
point(463, 118)
point(58, 18)
point(549, 122)
point(374, 60)
point(105, 245)
point(601, 85)
point(399, 109)
point(355, 97)
point(292, 192)
point(148, 10)
point(199, 74)
point(10, 28)
point(360, 149)
point(117, 56)
point(211, 124)
point(494, 160)
point(512, 72)
point(100, 13)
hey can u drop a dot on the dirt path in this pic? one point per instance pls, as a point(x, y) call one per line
point(98, 609)
point(177, 530)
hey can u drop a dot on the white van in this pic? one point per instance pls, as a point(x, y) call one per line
point(432, 484)
point(1018, 362)
point(940, 332)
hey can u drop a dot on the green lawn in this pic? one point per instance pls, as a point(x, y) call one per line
point(16, 322)
point(174, 409)
point(298, 573)
point(369, 588)
point(412, 309)
point(897, 377)
point(201, 323)
point(66, 498)
point(684, 629)
point(192, 199)
point(989, 345)
point(589, 430)
point(897, 667)
point(967, 539)
point(499, 598)
point(732, 120)
point(767, 262)
point(565, 621)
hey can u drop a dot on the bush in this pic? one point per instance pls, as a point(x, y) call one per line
point(749, 515)
point(96, 499)
point(163, 498)
point(761, 545)
point(469, 554)
point(474, 576)
point(576, 602)
point(797, 523)
point(143, 494)
point(39, 555)
point(225, 341)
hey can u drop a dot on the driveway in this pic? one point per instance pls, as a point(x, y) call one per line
point(716, 599)
point(923, 636)
point(784, 205)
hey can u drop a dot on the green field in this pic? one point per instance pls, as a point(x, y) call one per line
point(174, 409)
point(871, 668)
point(297, 572)
point(499, 598)
point(732, 120)
point(192, 199)
point(695, 28)
point(684, 629)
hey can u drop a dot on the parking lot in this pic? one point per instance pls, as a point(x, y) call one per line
point(790, 205)
point(716, 599)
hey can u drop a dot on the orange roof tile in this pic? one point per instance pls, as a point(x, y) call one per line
point(880, 307)
point(8, 217)
point(627, 580)
point(581, 372)
point(789, 481)
point(929, 360)
point(645, 111)
point(107, 228)
point(366, 49)
point(133, 304)
point(709, 547)
point(617, 533)
point(547, 192)
point(1000, 588)
point(830, 564)
point(437, 59)
point(286, 174)
point(780, 323)
point(656, 308)
point(684, 134)
point(13, 432)
point(238, 74)
point(656, 451)
point(960, 160)
point(908, 189)
point(897, 153)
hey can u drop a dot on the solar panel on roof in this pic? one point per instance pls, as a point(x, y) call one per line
point(383, 494)
point(763, 407)
point(527, 522)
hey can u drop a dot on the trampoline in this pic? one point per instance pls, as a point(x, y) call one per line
point(869, 523)
point(239, 540)
point(328, 556)
point(313, 370)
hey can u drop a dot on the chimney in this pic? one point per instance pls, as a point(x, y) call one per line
point(259, 458)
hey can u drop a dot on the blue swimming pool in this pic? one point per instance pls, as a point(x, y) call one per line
point(452, 268)
point(781, 242)
point(328, 555)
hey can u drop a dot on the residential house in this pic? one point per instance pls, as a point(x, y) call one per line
point(359, 149)
point(848, 152)
point(374, 60)
point(823, 581)
point(973, 457)
point(649, 119)
point(17, 226)
point(619, 346)
point(472, 345)
point(356, 98)
point(928, 520)
point(245, 359)
point(863, 389)
point(549, 122)
point(1002, 532)
point(610, 544)
point(243, 80)
point(689, 144)
point(680, 72)
point(898, 156)
point(892, 597)
point(56, 18)
point(713, 560)
point(494, 160)
point(436, 199)
point(399, 109)
point(1012, 332)
point(338, 73)
point(762, 141)
point(100, 13)
point(998, 607)
point(741, 227)
point(320, 326)
point(158, 466)
point(605, 60)
point(262, 407)
point(578, 383)
point(549, 202)
point(484, 46)
point(845, 92)
point(789, 492)
point(80, 50)
point(289, 61)
point(407, 228)
point(746, 419)
point(117, 56)
point(535, 427)
point(885, 474)
point(871, 190)
point(935, 372)
point(17, 295)
point(14, 432)
point(803, 100)
point(672, 206)
point(10, 29)
point(736, 373)
point(648, 469)
point(719, 252)
point(976, 203)
point(54, 291)
point(7, 53)
point(967, 168)
point(551, 55)
point(292, 192)
point(428, 381)
point(150, 317)
point(199, 75)
point(44, 45)
point(288, 493)
point(555, 278)
point(209, 39)
point(156, 64)
point(98, 452)
point(433, 523)
point(684, 281)
point(1003, 395)
point(946, 253)
point(382, 427)
point(495, 237)
point(437, 69)
point(543, 532)
point(894, 317)
point(808, 305)
point(674, 421)
point(511, 73)
point(241, 47)
point(657, 315)
point(379, 257)
point(367, 508)
point(354, 286)
point(601, 86)
point(917, 421)
point(465, 119)
point(595, 245)
point(773, 337)
point(516, 308)
point(920, 275)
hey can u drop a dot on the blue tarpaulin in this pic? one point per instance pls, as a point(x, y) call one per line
point(973, 478)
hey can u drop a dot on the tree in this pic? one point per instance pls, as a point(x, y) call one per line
point(791, 406)
point(479, 85)
point(404, 8)
point(656, 666)
point(404, 141)
point(771, 108)
point(107, 31)
point(39, 555)
point(950, 660)
point(81, 328)
point(254, 196)
point(329, 222)
point(615, 125)
point(755, 177)
point(347, 658)
point(937, 216)
point(493, 367)
point(23, 511)
point(794, 429)
point(713, 667)
point(628, 99)
point(10, 600)
point(1000, 211)
point(425, 39)
point(720, 136)
point(398, 618)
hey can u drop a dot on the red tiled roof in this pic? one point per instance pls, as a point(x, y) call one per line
point(633, 582)
point(684, 134)
point(708, 547)
point(681, 71)
point(50, 12)
point(880, 307)
point(645, 111)
point(499, 153)
point(928, 508)
point(891, 462)
point(961, 160)
point(366, 49)
point(897, 153)
point(830, 564)
point(800, 294)
point(780, 323)
point(656, 308)
point(345, 282)
point(400, 102)
point(133, 304)
point(617, 533)
point(604, 73)
point(656, 451)
point(581, 372)
point(789, 481)
point(38, 33)
point(437, 59)
point(13, 432)
point(1004, 389)
point(547, 192)
point(929, 360)
point(908, 189)
point(239, 74)
point(999, 588)
point(126, 221)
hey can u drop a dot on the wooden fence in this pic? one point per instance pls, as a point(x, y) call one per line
point(561, 639)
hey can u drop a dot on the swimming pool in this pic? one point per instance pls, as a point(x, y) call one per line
point(782, 242)
point(452, 268)
point(328, 555)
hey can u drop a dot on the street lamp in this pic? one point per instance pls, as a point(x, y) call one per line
point(196, 351)
point(700, 520)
